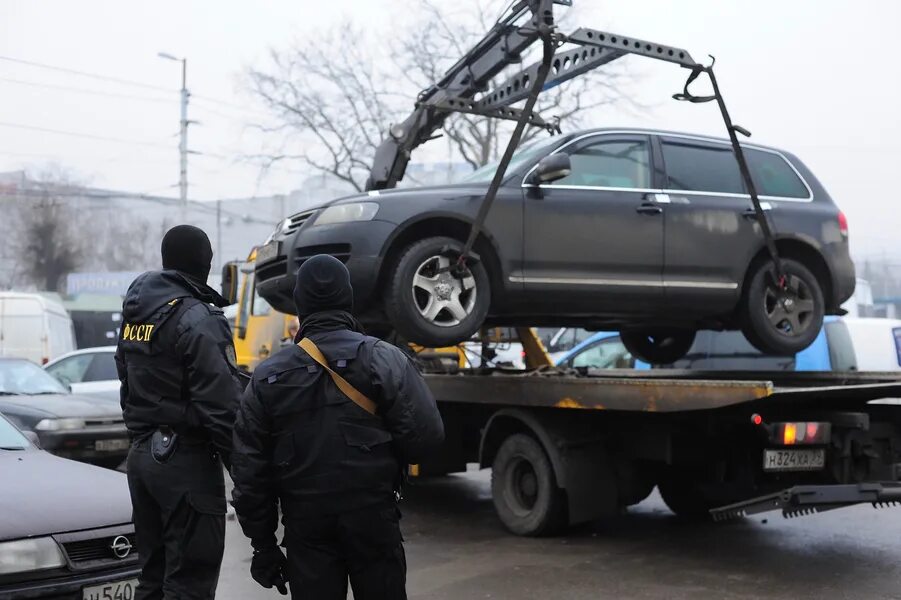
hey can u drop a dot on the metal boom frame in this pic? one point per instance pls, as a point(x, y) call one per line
point(502, 46)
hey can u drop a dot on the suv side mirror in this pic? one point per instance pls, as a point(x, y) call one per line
point(230, 282)
point(551, 168)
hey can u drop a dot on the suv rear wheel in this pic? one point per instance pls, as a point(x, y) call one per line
point(658, 346)
point(783, 321)
point(428, 303)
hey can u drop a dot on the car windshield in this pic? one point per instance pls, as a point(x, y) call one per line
point(527, 153)
point(23, 377)
point(10, 437)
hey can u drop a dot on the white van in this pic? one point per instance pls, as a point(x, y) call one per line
point(34, 327)
point(876, 343)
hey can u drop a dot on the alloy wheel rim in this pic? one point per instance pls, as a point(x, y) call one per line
point(441, 297)
point(790, 310)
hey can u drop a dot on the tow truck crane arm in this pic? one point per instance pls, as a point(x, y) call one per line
point(503, 46)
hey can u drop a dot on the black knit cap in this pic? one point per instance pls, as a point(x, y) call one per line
point(323, 283)
point(187, 249)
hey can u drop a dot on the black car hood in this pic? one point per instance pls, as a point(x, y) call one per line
point(44, 494)
point(153, 289)
point(65, 405)
point(453, 190)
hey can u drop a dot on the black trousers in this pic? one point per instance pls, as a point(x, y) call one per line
point(179, 513)
point(364, 546)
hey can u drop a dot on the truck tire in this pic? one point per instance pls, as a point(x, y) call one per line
point(778, 324)
point(524, 489)
point(658, 346)
point(431, 306)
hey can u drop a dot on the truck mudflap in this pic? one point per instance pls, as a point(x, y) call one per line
point(804, 500)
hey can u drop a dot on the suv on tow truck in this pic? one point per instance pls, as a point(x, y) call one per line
point(587, 248)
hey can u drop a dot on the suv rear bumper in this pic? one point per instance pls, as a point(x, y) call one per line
point(844, 277)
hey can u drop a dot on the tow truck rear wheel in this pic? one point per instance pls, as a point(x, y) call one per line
point(524, 488)
point(658, 346)
point(431, 304)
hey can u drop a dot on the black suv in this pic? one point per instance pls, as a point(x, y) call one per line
point(651, 233)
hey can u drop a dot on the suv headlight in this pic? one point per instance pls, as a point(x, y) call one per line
point(59, 424)
point(36, 554)
point(345, 213)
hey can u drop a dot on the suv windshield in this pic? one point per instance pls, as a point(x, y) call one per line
point(10, 438)
point(527, 153)
point(23, 377)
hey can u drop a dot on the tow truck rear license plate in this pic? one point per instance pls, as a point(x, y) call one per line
point(267, 252)
point(116, 590)
point(794, 460)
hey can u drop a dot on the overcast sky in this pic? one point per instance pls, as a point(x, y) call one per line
point(819, 78)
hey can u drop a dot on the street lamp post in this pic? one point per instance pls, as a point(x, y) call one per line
point(183, 134)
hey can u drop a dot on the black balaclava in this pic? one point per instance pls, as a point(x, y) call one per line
point(323, 283)
point(187, 249)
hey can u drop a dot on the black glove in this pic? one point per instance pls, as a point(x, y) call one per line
point(268, 569)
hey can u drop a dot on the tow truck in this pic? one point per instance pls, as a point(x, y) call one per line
point(570, 446)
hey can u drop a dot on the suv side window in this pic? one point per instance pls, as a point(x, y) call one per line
point(773, 176)
point(701, 168)
point(611, 164)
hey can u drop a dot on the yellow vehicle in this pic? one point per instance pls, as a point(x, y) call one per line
point(259, 330)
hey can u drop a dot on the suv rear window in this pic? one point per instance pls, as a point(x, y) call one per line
point(709, 169)
point(773, 176)
point(701, 168)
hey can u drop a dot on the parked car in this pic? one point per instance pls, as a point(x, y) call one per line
point(65, 527)
point(89, 371)
point(70, 425)
point(847, 344)
point(34, 327)
point(584, 246)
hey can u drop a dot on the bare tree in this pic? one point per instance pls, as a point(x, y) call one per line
point(333, 96)
point(45, 235)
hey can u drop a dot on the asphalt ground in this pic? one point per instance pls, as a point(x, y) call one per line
point(457, 549)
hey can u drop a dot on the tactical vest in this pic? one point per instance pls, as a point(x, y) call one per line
point(330, 455)
point(156, 379)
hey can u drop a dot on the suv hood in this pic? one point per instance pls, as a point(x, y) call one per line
point(438, 191)
point(44, 494)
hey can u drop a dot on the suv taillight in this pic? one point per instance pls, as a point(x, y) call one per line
point(843, 224)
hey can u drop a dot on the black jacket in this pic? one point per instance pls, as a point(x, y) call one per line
point(301, 442)
point(175, 360)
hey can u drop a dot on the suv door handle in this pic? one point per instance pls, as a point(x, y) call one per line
point(648, 209)
point(752, 214)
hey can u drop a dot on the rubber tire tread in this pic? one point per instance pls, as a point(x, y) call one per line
point(549, 515)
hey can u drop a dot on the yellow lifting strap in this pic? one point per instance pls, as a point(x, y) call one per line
point(307, 345)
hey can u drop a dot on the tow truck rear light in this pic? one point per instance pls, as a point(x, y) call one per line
point(843, 224)
point(805, 433)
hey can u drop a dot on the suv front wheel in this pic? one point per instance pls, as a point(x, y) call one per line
point(431, 304)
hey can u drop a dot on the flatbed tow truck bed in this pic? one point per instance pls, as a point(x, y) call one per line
point(567, 446)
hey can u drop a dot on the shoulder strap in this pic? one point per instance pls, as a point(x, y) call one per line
point(307, 345)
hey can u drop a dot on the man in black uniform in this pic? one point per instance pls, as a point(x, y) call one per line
point(329, 444)
point(179, 393)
